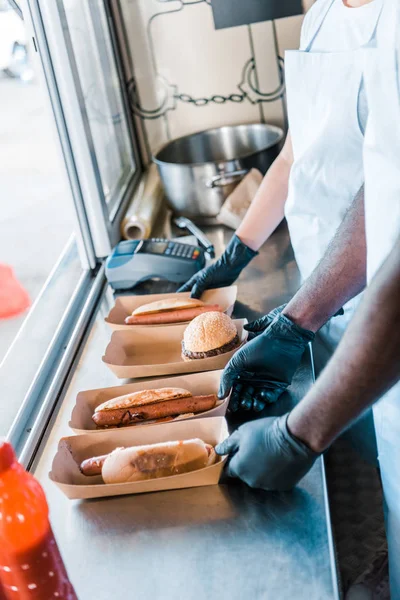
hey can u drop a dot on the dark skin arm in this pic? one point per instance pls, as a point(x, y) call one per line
point(340, 275)
point(365, 365)
point(275, 354)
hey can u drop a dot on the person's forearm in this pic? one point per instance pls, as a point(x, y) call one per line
point(340, 275)
point(365, 365)
point(267, 208)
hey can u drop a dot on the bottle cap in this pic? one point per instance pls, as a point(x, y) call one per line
point(7, 455)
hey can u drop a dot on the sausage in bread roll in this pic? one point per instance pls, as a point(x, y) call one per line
point(152, 461)
point(171, 310)
point(149, 405)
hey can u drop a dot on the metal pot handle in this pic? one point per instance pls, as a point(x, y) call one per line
point(226, 178)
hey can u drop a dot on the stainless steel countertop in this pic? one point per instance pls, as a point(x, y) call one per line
point(225, 541)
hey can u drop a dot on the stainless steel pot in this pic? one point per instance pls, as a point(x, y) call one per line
point(199, 171)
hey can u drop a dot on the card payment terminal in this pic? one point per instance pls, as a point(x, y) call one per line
point(134, 261)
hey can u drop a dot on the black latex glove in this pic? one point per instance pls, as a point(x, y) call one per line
point(266, 455)
point(269, 362)
point(223, 272)
point(259, 325)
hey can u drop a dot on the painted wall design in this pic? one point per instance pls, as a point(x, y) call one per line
point(189, 76)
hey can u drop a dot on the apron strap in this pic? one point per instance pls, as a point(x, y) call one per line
point(318, 25)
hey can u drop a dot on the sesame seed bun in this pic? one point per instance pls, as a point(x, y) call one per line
point(208, 332)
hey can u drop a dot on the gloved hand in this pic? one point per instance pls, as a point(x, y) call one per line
point(222, 272)
point(268, 361)
point(266, 455)
point(259, 325)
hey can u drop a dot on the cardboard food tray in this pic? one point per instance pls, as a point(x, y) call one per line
point(145, 352)
point(125, 305)
point(198, 384)
point(65, 472)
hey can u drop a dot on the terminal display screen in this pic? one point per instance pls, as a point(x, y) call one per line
point(150, 247)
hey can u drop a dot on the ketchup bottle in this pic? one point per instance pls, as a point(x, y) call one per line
point(2, 593)
point(31, 567)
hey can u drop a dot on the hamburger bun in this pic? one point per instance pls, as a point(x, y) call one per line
point(165, 459)
point(209, 334)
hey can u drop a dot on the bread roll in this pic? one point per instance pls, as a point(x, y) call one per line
point(144, 398)
point(209, 331)
point(166, 305)
point(123, 417)
point(167, 317)
point(141, 463)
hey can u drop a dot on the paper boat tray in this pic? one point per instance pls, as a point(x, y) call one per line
point(73, 450)
point(149, 352)
point(125, 305)
point(198, 384)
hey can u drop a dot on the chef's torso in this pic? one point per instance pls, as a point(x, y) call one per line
point(326, 122)
point(382, 217)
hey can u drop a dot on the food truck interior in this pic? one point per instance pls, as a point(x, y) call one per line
point(163, 117)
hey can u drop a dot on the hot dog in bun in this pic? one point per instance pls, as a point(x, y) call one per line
point(171, 310)
point(210, 334)
point(140, 463)
point(149, 405)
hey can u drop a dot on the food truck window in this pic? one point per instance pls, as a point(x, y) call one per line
point(87, 75)
point(90, 48)
point(68, 167)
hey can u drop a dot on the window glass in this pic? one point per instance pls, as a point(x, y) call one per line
point(67, 171)
point(91, 51)
point(36, 208)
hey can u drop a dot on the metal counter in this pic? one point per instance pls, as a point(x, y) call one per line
point(210, 543)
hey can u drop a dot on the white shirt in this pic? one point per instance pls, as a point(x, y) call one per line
point(345, 29)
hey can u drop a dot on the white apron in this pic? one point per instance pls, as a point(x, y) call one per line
point(322, 92)
point(382, 215)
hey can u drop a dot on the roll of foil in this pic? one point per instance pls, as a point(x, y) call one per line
point(144, 207)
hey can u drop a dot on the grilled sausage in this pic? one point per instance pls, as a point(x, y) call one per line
point(171, 316)
point(121, 417)
point(93, 466)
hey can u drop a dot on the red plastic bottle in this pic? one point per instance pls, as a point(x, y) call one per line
point(31, 567)
point(2, 593)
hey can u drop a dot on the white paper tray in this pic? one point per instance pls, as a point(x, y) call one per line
point(65, 472)
point(150, 352)
point(198, 384)
point(125, 305)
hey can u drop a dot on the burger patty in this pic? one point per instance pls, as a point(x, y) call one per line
point(214, 352)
